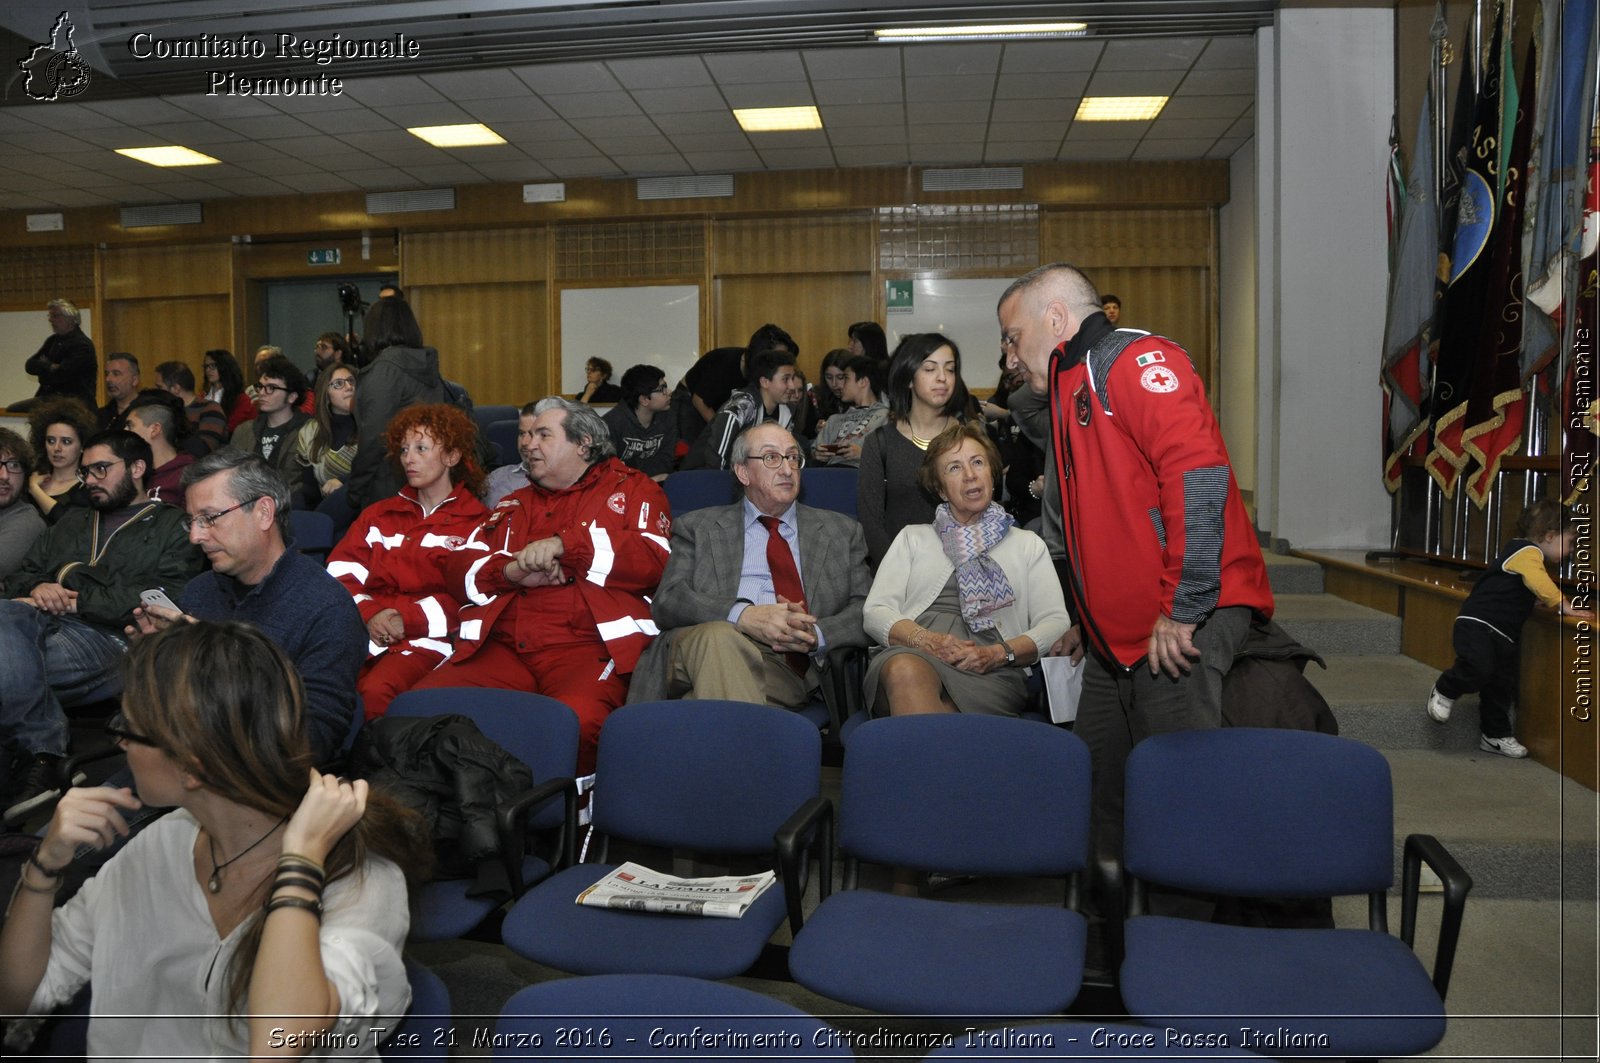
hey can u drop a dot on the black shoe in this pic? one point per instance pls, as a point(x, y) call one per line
point(41, 786)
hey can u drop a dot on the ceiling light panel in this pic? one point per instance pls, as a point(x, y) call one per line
point(471, 135)
point(169, 155)
point(1119, 108)
point(777, 119)
point(992, 32)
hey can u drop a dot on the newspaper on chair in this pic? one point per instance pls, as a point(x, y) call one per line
point(634, 888)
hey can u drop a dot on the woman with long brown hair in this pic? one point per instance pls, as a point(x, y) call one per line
point(264, 916)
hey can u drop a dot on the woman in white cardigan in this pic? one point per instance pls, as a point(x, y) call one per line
point(963, 605)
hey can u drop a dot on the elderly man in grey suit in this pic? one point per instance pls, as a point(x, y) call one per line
point(756, 593)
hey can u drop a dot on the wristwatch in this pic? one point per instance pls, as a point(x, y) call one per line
point(1011, 656)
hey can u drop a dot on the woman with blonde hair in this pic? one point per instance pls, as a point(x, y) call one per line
point(263, 916)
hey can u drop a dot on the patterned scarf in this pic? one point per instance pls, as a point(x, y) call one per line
point(982, 584)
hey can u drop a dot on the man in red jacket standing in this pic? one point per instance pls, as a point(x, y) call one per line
point(1162, 566)
point(556, 578)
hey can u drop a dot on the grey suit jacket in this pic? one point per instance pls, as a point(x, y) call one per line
point(701, 582)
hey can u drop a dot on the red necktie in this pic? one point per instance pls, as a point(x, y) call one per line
point(785, 580)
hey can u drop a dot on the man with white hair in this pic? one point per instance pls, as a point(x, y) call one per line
point(66, 363)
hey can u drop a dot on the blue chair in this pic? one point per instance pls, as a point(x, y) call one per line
point(312, 531)
point(417, 1035)
point(694, 489)
point(1082, 1040)
point(338, 509)
point(830, 488)
point(502, 435)
point(647, 1014)
point(964, 795)
point(486, 415)
point(1257, 812)
point(543, 734)
point(714, 777)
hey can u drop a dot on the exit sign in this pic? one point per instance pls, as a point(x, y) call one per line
point(328, 256)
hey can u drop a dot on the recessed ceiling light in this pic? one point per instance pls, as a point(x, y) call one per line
point(472, 135)
point(1120, 108)
point(994, 31)
point(777, 119)
point(169, 155)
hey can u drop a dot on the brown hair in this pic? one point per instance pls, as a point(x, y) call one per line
point(228, 706)
point(58, 411)
point(1544, 517)
point(950, 439)
point(451, 428)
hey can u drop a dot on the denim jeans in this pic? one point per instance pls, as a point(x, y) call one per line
point(45, 662)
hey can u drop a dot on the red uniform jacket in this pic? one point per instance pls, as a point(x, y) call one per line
point(1151, 514)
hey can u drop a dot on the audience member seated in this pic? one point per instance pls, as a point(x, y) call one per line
point(57, 428)
point(20, 523)
point(327, 445)
point(839, 442)
point(61, 624)
point(866, 337)
point(756, 592)
point(263, 908)
point(390, 558)
point(830, 398)
point(964, 604)
point(513, 477)
point(122, 384)
point(157, 417)
point(598, 387)
point(764, 398)
point(224, 380)
point(402, 373)
point(641, 423)
point(275, 433)
point(718, 373)
point(306, 404)
point(238, 514)
point(330, 350)
point(558, 575)
point(208, 424)
point(926, 396)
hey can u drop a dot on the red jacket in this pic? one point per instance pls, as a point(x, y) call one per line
point(1151, 514)
point(614, 526)
point(391, 559)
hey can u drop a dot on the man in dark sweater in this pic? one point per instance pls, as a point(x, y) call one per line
point(66, 363)
point(274, 433)
point(641, 424)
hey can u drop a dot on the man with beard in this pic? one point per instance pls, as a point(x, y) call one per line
point(61, 631)
point(331, 350)
point(19, 525)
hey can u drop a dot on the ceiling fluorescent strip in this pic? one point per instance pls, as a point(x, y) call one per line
point(972, 179)
point(712, 186)
point(410, 202)
point(161, 214)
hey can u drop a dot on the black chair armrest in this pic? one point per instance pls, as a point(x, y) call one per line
point(1425, 848)
point(842, 680)
point(511, 824)
point(810, 826)
point(68, 769)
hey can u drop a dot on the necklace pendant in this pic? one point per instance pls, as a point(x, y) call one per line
point(214, 883)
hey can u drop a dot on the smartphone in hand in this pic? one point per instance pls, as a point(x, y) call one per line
point(157, 597)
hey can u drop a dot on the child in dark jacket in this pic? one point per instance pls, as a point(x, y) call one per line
point(1489, 626)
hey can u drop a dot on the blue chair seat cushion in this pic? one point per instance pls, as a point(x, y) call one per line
point(909, 955)
point(445, 910)
point(1365, 991)
point(548, 926)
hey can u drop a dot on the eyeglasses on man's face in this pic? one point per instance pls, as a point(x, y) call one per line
point(270, 389)
point(13, 466)
point(774, 460)
point(97, 470)
point(204, 521)
point(117, 730)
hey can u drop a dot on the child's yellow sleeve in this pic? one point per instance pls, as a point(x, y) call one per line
point(1529, 564)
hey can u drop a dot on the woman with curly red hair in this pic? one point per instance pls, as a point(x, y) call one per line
point(389, 559)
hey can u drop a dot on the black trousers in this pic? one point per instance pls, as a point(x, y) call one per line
point(1489, 665)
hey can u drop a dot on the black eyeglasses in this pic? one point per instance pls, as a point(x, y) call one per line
point(12, 466)
point(117, 730)
point(97, 470)
point(270, 389)
point(773, 460)
point(205, 520)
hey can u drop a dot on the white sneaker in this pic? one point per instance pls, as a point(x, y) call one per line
point(1439, 706)
point(1506, 747)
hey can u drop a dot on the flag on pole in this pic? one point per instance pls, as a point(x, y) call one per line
point(1408, 328)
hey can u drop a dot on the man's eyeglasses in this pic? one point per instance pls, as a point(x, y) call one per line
point(117, 730)
point(97, 470)
point(662, 389)
point(13, 466)
point(270, 389)
point(773, 460)
point(204, 521)
point(1008, 340)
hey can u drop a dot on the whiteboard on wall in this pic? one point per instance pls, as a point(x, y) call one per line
point(963, 310)
point(657, 325)
point(21, 333)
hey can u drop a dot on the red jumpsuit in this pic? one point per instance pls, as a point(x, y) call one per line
point(577, 641)
point(391, 559)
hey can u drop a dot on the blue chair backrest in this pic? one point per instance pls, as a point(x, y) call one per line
point(416, 1035)
point(1260, 812)
point(695, 489)
point(487, 415)
point(966, 794)
point(834, 489)
point(503, 437)
point(539, 731)
point(712, 775)
point(313, 531)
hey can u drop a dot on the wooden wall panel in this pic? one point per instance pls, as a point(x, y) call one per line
point(1094, 239)
point(1557, 718)
point(475, 256)
point(160, 330)
point(165, 272)
point(840, 243)
point(814, 308)
point(491, 337)
point(1174, 302)
point(32, 276)
point(262, 260)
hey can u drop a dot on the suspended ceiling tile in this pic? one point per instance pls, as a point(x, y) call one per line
point(948, 112)
point(722, 161)
point(706, 142)
point(523, 108)
point(739, 68)
point(1235, 53)
point(192, 133)
point(1033, 57)
point(268, 127)
point(1244, 127)
point(862, 136)
point(1134, 83)
point(800, 138)
point(798, 158)
point(1151, 53)
point(973, 87)
point(1206, 106)
point(770, 94)
point(1082, 131)
point(1048, 110)
point(679, 101)
point(446, 173)
point(837, 116)
point(845, 64)
point(619, 126)
point(1054, 85)
point(1097, 150)
point(1018, 132)
point(524, 170)
point(1010, 152)
point(663, 72)
point(216, 107)
point(615, 146)
point(67, 117)
point(139, 111)
point(1173, 149)
point(1226, 147)
point(566, 78)
point(401, 91)
point(1187, 128)
point(475, 84)
point(593, 105)
point(359, 120)
point(549, 130)
point(882, 155)
point(971, 133)
point(697, 122)
point(951, 60)
point(381, 177)
point(317, 182)
point(661, 163)
point(1220, 83)
point(589, 166)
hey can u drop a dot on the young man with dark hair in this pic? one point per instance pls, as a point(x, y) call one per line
point(279, 388)
point(208, 424)
point(770, 373)
point(19, 525)
point(157, 417)
point(641, 424)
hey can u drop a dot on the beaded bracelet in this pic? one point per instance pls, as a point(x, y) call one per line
point(314, 907)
